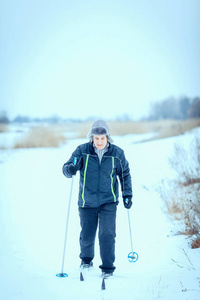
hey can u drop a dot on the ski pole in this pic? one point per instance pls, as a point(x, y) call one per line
point(132, 256)
point(67, 221)
point(130, 231)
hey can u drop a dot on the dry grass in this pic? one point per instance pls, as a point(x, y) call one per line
point(116, 128)
point(164, 128)
point(3, 127)
point(42, 137)
point(174, 209)
point(52, 136)
point(170, 128)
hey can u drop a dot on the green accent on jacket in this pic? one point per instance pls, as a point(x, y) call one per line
point(85, 171)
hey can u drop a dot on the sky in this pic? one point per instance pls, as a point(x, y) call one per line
point(96, 58)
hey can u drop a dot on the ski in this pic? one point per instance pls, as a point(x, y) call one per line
point(81, 276)
point(103, 284)
point(83, 267)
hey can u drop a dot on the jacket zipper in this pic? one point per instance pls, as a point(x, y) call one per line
point(98, 189)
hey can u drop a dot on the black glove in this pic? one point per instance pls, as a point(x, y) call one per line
point(72, 169)
point(127, 202)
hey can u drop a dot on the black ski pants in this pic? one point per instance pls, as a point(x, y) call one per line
point(90, 218)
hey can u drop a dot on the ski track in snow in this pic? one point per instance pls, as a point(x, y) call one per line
point(33, 210)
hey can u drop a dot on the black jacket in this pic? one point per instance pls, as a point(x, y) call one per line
point(98, 183)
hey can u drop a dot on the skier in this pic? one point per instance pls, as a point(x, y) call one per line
point(100, 163)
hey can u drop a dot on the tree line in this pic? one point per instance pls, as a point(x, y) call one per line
point(175, 108)
point(182, 108)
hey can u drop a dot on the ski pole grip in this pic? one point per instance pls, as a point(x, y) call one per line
point(75, 160)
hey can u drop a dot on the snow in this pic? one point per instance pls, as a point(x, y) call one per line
point(33, 210)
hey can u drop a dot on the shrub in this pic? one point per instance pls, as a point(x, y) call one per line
point(181, 196)
point(186, 160)
point(196, 243)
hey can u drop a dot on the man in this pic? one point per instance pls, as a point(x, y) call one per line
point(101, 164)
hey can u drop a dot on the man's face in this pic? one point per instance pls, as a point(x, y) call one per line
point(100, 141)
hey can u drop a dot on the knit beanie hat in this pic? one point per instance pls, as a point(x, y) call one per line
point(100, 127)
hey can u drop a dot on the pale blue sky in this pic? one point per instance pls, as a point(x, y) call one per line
point(99, 58)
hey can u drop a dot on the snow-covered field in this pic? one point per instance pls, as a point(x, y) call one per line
point(33, 210)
